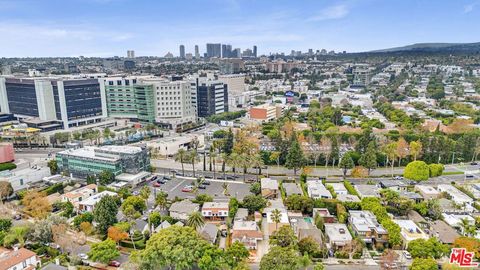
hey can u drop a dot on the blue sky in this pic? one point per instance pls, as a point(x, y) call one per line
point(110, 27)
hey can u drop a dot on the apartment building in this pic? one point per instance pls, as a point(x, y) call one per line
point(265, 112)
point(215, 210)
point(212, 97)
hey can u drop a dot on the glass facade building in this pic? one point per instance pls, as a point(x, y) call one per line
point(93, 160)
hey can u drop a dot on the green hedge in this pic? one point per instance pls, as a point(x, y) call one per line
point(7, 166)
point(58, 187)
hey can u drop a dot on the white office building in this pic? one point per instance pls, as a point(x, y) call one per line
point(173, 99)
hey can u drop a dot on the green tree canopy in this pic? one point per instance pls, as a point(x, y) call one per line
point(104, 251)
point(284, 237)
point(346, 163)
point(417, 170)
point(424, 264)
point(254, 203)
point(105, 213)
point(106, 177)
point(179, 248)
point(279, 258)
point(421, 248)
point(295, 159)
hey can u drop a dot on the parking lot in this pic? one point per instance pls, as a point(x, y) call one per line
point(174, 187)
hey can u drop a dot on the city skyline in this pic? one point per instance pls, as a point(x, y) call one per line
point(106, 28)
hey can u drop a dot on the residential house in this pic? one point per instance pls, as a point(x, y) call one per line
point(409, 231)
point(427, 192)
point(316, 190)
point(325, 214)
point(417, 218)
point(215, 210)
point(18, 259)
point(182, 209)
point(367, 191)
point(395, 185)
point(417, 198)
point(457, 196)
point(366, 227)
point(78, 195)
point(269, 188)
point(339, 188)
point(445, 233)
point(88, 205)
point(337, 235)
point(304, 227)
point(209, 232)
point(291, 189)
point(457, 220)
point(242, 214)
point(272, 226)
point(247, 233)
point(347, 198)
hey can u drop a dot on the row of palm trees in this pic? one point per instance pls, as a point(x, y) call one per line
point(233, 160)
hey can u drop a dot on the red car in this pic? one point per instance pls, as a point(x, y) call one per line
point(114, 264)
point(156, 184)
point(187, 189)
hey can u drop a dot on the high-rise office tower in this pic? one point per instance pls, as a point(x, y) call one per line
point(182, 51)
point(212, 97)
point(254, 50)
point(214, 50)
point(226, 51)
point(130, 54)
point(70, 101)
point(197, 52)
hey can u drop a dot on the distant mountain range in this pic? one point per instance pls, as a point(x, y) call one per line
point(434, 47)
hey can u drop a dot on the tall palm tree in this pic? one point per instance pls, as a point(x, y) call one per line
point(257, 161)
point(224, 157)
point(276, 217)
point(193, 158)
point(195, 220)
point(161, 200)
point(225, 189)
point(244, 162)
point(196, 185)
point(181, 156)
point(234, 161)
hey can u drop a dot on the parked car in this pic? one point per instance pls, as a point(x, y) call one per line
point(114, 264)
point(474, 163)
point(202, 187)
point(168, 178)
point(153, 178)
point(206, 183)
point(398, 177)
point(83, 256)
point(187, 189)
point(469, 176)
point(407, 255)
point(231, 177)
point(250, 180)
point(156, 184)
point(161, 181)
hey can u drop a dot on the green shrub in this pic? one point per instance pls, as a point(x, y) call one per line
point(436, 169)
point(417, 170)
point(7, 166)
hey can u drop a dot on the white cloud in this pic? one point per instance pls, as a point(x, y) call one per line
point(331, 13)
point(469, 8)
